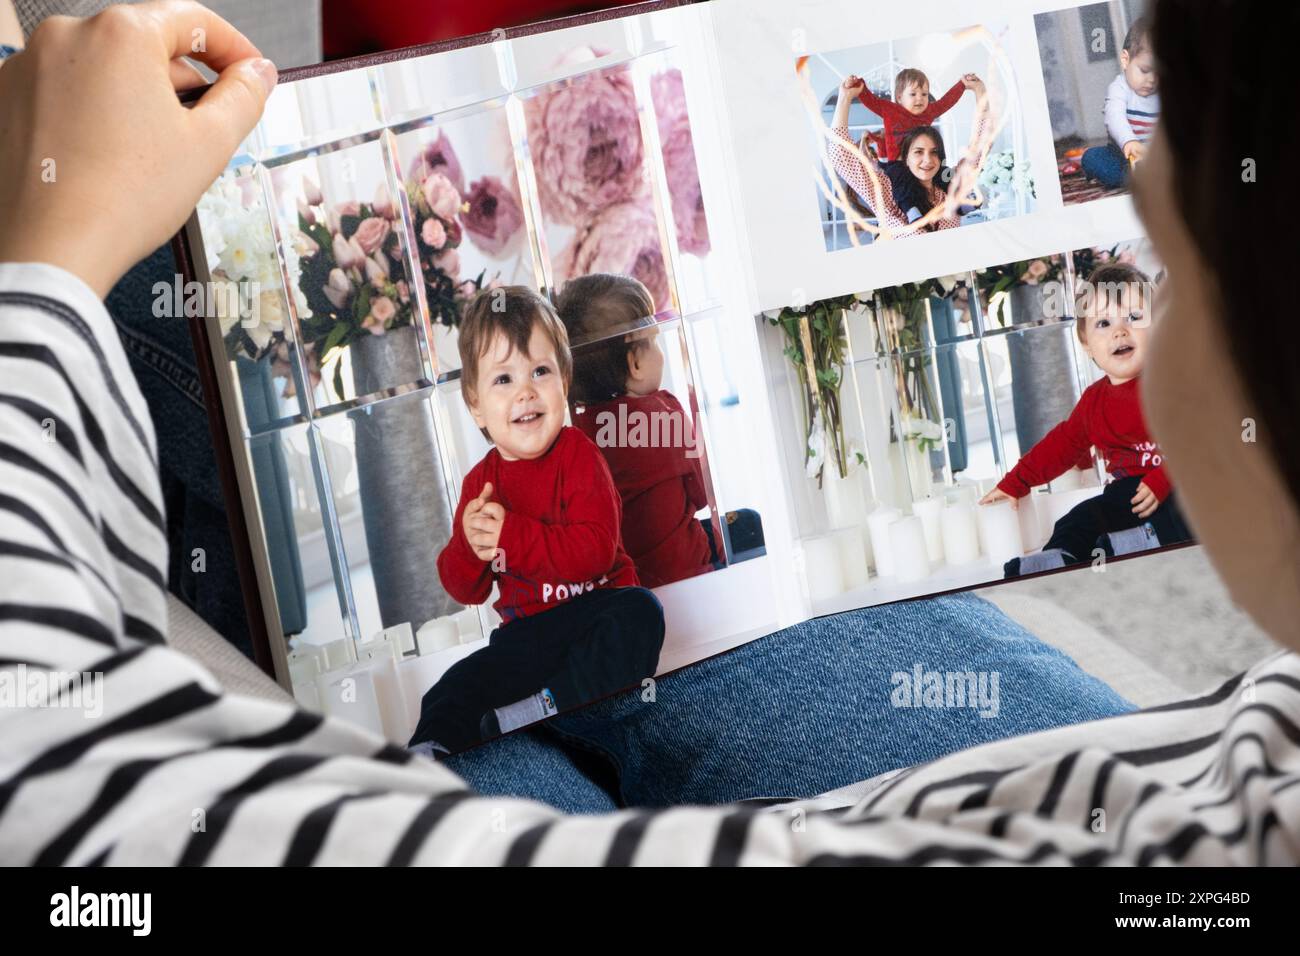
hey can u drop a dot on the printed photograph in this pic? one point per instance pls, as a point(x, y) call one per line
point(1100, 77)
point(915, 135)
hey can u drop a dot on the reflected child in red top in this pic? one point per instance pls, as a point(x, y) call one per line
point(647, 438)
point(539, 518)
point(1136, 509)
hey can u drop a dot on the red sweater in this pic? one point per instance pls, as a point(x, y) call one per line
point(560, 536)
point(899, 120)
point(661, 487)
point(1108, 417)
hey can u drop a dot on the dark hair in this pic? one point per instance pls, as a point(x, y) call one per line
point(1108, 277)
point(908, 190)
point(595, 309)
point(1138, 37)
point(512, 310)
point(1217, 115)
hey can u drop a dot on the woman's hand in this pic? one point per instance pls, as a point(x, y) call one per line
point(972, 82)
point(997, 494)
point(99, 162)
point(852, 86)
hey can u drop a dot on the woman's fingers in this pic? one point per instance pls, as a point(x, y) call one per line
point(227, 112)
point(190, 29)
point(185, 75)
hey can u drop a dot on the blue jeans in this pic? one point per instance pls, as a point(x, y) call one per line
point(161, 354)
point(814, 707)
point(1106, 164)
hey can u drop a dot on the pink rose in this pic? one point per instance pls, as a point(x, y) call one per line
point(307, 213)
point(1035, 271)
point(311, 192)
point(494, 217)
point(433, 233)
point(370, 235)
point(381, 310)
point(349, 208)
point(358, 254)
point(442, 196)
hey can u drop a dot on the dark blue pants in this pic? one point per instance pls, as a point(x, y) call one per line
point(581, 650)
point(1106, 164)
point(1078, 530)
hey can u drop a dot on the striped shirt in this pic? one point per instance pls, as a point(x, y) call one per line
point(1129, 116)
point(169, 769)
point(861, 170)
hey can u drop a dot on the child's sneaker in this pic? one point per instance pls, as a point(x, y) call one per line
point(521, 713)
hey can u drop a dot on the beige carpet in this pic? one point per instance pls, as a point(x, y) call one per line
point(1169, 609)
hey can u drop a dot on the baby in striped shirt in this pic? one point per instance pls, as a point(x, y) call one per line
point(1132, 107)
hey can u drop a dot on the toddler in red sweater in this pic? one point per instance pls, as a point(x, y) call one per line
point(1136, 510)
point(540, 518)
point(642, 430)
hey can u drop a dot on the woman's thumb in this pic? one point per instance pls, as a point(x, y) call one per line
point(231, 107)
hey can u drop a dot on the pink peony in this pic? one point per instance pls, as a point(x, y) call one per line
point(677, 147)
point(439, 157)
point(443, 198)
point(586, 144)
point(621, 239)
point(433, 234)
point(494, 217)
point(370, 235)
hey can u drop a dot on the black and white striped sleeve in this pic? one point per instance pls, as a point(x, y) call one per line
point(135, 755)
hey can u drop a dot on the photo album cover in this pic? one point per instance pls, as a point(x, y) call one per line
point(563, 357)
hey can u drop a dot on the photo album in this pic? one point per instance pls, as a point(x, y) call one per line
point(554, 359)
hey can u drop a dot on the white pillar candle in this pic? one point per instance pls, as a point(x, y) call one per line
point(878, 523)
point(1060, 503)
point(402, 637)
point(821, 567)
point(468, 625)
point(907, 544)
point(1000, 531)
point(846, 504)
point(339, 654)
point(1031, 525)
point(852, 548)
point(437, 635)
point(929, 511)
point(349, 693)
point(388, 695)
point(1068, 481)
point(961, 543)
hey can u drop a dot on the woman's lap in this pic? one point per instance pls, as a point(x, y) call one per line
point(812, 708)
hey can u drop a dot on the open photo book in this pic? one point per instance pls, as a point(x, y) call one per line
point(831, 304)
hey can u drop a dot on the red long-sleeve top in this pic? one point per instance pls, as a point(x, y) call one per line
point(899, 120)
point(661, 483)
point(561, 533)
point(1107, 417)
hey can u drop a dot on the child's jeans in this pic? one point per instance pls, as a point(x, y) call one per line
point(1077, 532)
point(1106, 164)
point(586, 648)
